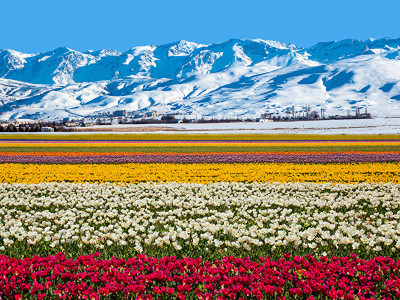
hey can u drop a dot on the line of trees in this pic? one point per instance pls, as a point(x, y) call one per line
point(37, 127)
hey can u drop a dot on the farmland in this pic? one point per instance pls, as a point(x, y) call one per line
point(199, 216)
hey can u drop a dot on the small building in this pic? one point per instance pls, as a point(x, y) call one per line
point(188, 117)
point(47, 129)
point(136, 116)
point(87, 123)
point(120, 113)
point(265, 120)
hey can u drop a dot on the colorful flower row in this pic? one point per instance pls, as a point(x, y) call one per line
point(202, 173)
point(194, 137)
point(111, 158)
point(141, 277)
point(84, 153)
point(207, 220)
point(11, 144)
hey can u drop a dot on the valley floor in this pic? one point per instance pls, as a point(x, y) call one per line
point(355, 126)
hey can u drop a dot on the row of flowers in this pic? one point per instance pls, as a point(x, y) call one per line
point(305, 158)
point(202, 173)
point(109, 137)
point(142, 277)
point(183, 143)
point(204, 146)
point(204, 219)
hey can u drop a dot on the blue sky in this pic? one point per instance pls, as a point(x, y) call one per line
point(41, 25)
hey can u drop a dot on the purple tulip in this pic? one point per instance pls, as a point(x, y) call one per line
point(206, 158)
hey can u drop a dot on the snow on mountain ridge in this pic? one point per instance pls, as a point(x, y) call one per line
point(64, 65)
point(12, 60)
point(328, 52)
point(275, 44)
point(183, 48)
point(236, 77)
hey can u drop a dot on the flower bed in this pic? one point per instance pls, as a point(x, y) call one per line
point(200, 219)
point(111, 158)
point(110, 137)
point(213, 220)
point(202, 173)
point(142, 277)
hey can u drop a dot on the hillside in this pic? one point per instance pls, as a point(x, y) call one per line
point(234, 78)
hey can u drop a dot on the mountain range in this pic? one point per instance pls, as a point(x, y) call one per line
point(237, 78)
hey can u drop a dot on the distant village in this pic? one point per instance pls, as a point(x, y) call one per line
point(118, 117)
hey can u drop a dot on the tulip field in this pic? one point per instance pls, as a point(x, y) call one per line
point(199, 216)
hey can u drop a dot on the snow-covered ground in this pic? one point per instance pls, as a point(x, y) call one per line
point(359, 126)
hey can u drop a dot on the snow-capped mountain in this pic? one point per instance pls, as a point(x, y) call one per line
point(234, 78)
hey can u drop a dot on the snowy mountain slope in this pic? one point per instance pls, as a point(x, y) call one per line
point(328, 52)
point(180, 59)
point(11, 61)
point(234, 78)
